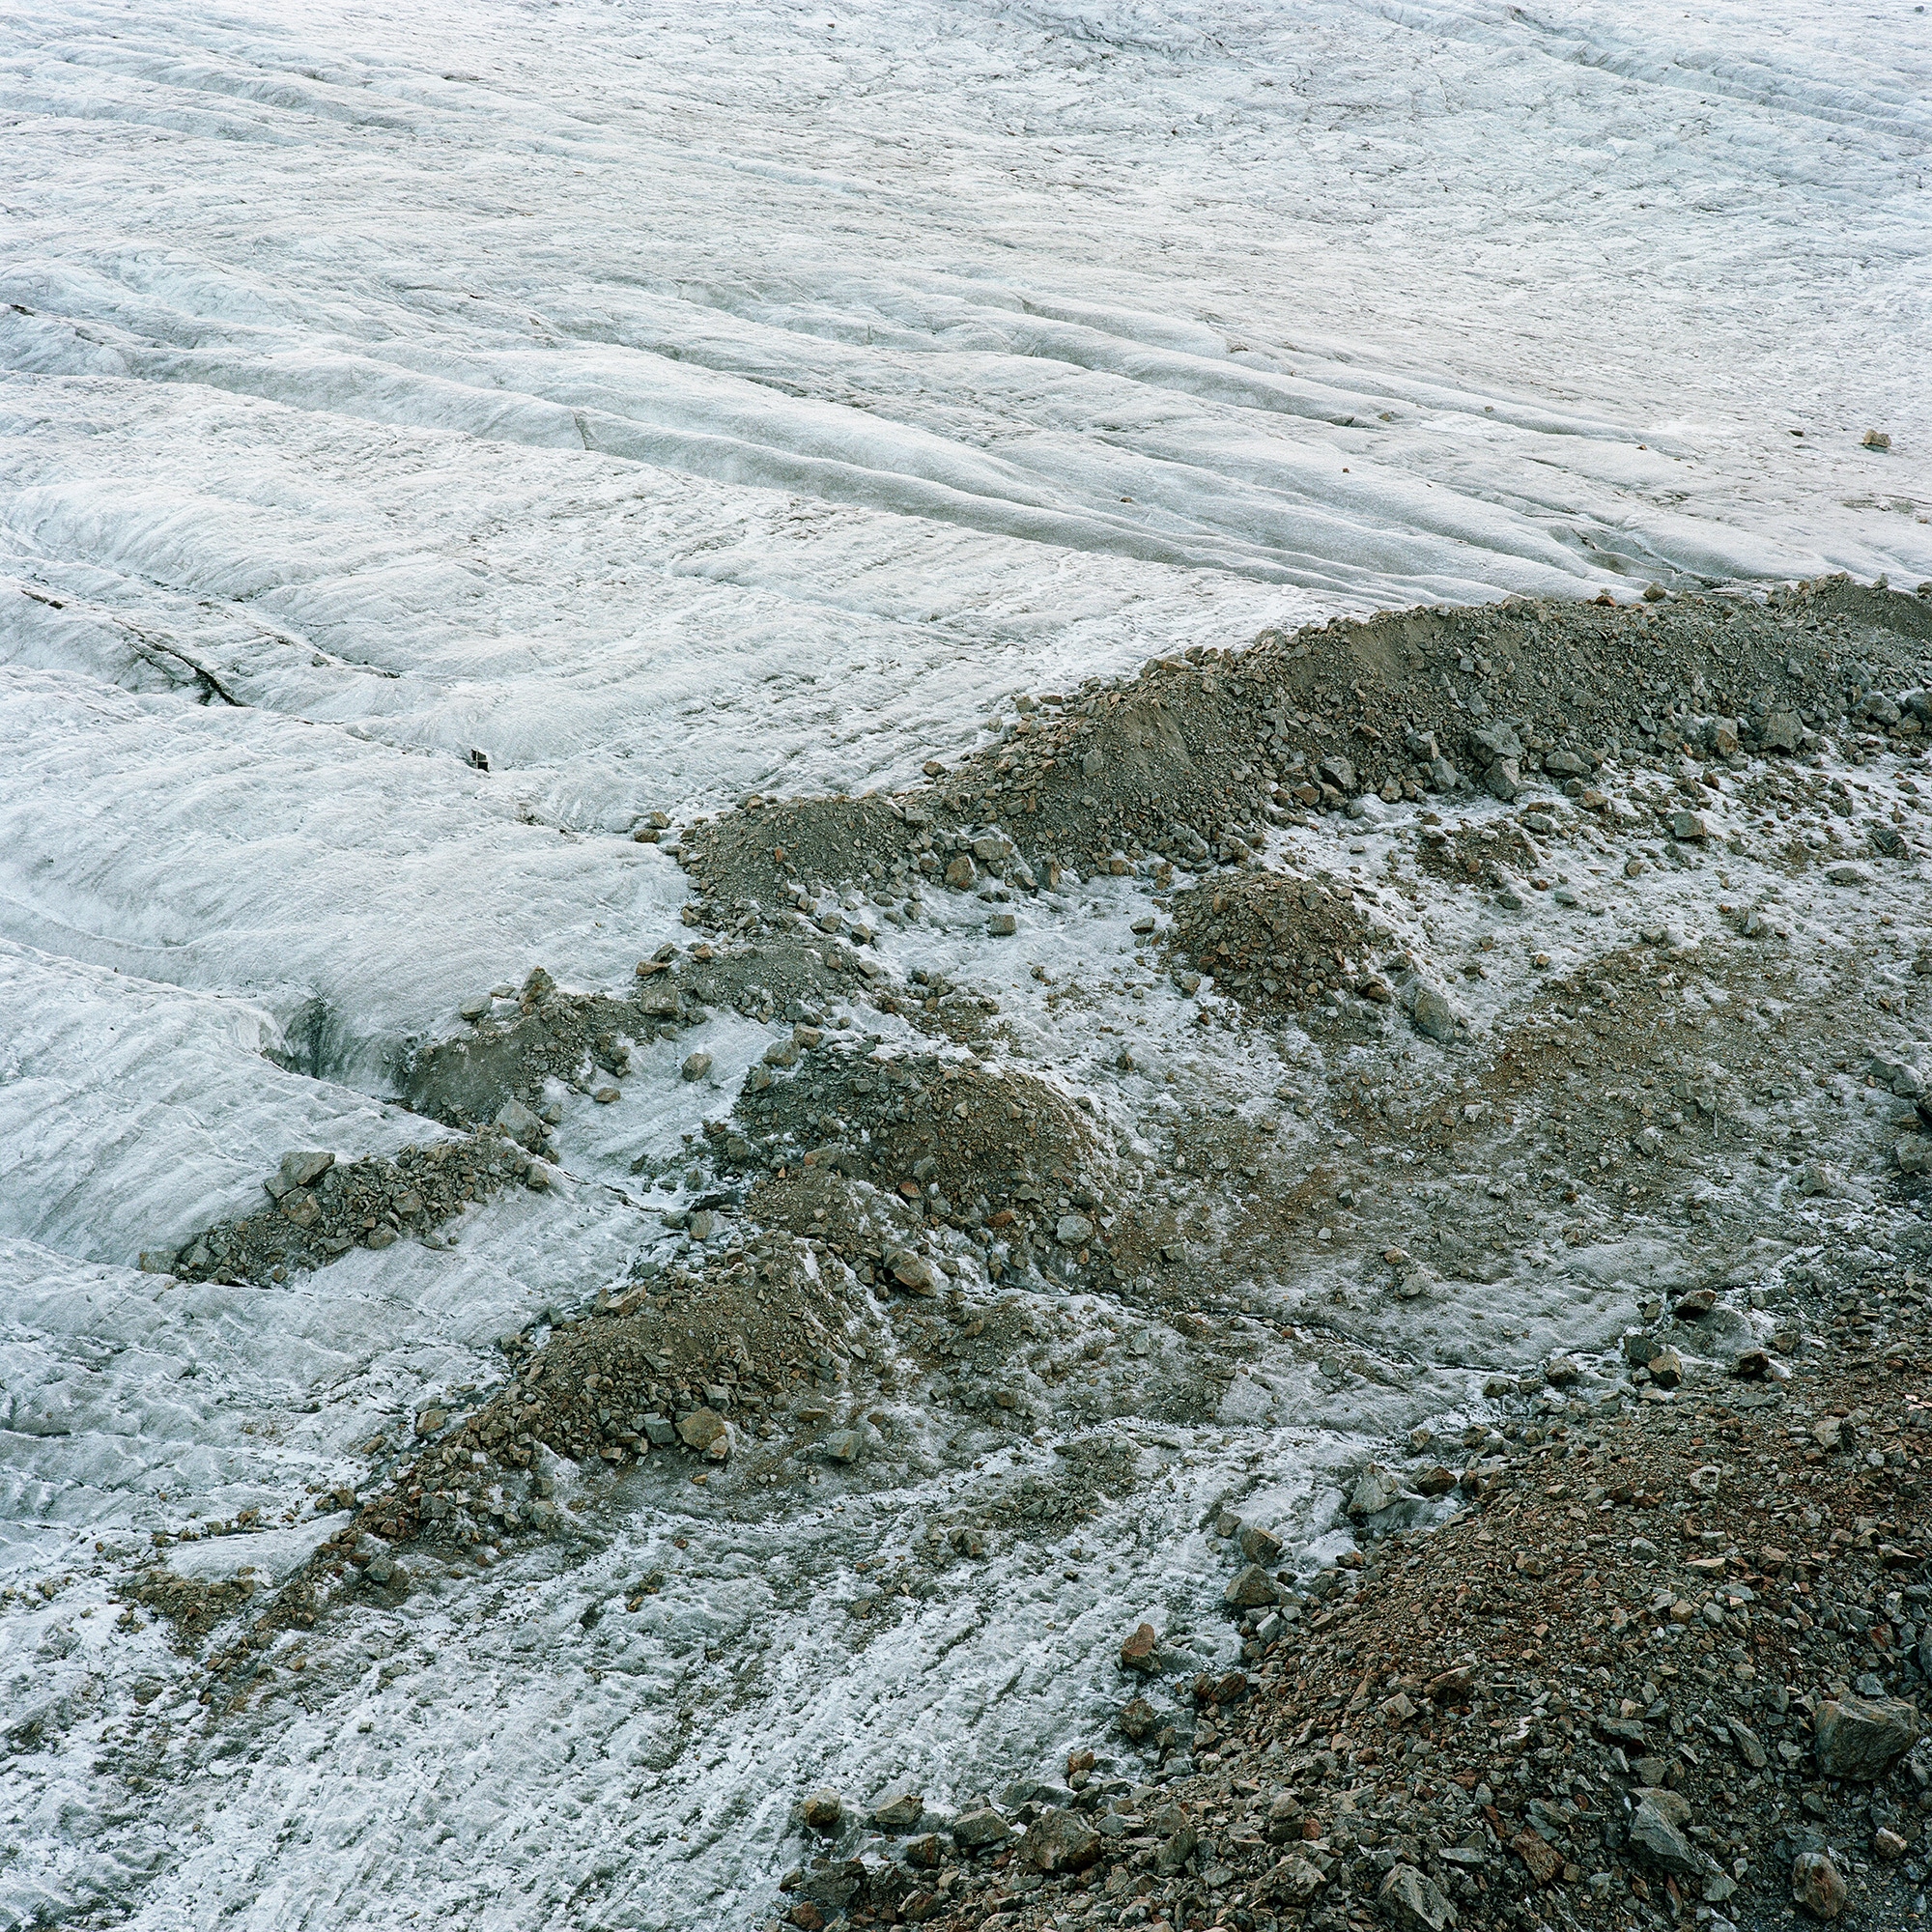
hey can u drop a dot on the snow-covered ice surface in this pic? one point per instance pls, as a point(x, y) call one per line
point(665, 403)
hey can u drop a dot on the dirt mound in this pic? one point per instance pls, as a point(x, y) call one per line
point(518, 1040)
point(769, 855)
point(322, 1207)
point(1277, 941)
point(999, 1155)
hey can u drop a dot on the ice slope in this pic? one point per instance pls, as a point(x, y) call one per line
point(664, 403)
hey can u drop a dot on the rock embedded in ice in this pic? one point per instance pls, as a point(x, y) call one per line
point(521, 1124)
point(1003, 926)
point(1375, 1489)
point(912, 1272)
point(842, 1445)
point(1432, 1016)
point(822, 1809)
point(1141, 1651)
point(695, 1066)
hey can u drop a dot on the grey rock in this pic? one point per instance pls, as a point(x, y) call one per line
point(1432, 1016)
point(1061, 1841)
point(1503, 779)
point(695, 1066)
point(1656, 1832)
point(1338, 771)
point(1862, 1737)
point(1781, 731)
point(1566, 764)
point(974, 1830)
point(898, 1810)
point(1443, 775)
point(842, 1445)
point(1072, 1229)
point(1375, 1489)
point(1409, 1900)
point(521, 1124)
point(1297, 1881)
point(1690, 825)
point(1490, 742)
point(304, 1170)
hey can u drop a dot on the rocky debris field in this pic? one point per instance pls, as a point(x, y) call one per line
point(1665, 1664)
point(1475, 1063)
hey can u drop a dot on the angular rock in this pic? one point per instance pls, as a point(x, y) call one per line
point(1071, 1231)
point(1139, 1719)
point(898, 1810)
point(1540, 1857)
point(1816, 1885)
point(912, 1272)
point(521, 1124)
point(1666, 1368)
point(1781, 731)
point(1141, 1651)
point(1251, 1590)
point(1375, 1489)
point(1061, 1841)
point(842, 1445)
point(974, 1830)
point(1862, 1737)
point(1259, 1546)
point(706, 1430)
point(1490, 742)
point(304, 1170)
point(695, 1066)
point(1656, 1832)
point(1294, 1881)
point(1408, 1899)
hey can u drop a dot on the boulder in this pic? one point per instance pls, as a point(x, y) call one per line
point(1656, 1832)
point(898, 1810)
point(822, 1809)
point(1061, 1841)
point(706, 1430)
point(1294, 1881)
point(980, 1828)
point(1252, 1589)
point(912, 1272)
point(1862, 1737)
point(1816, 1885)
point(1412, 1901)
